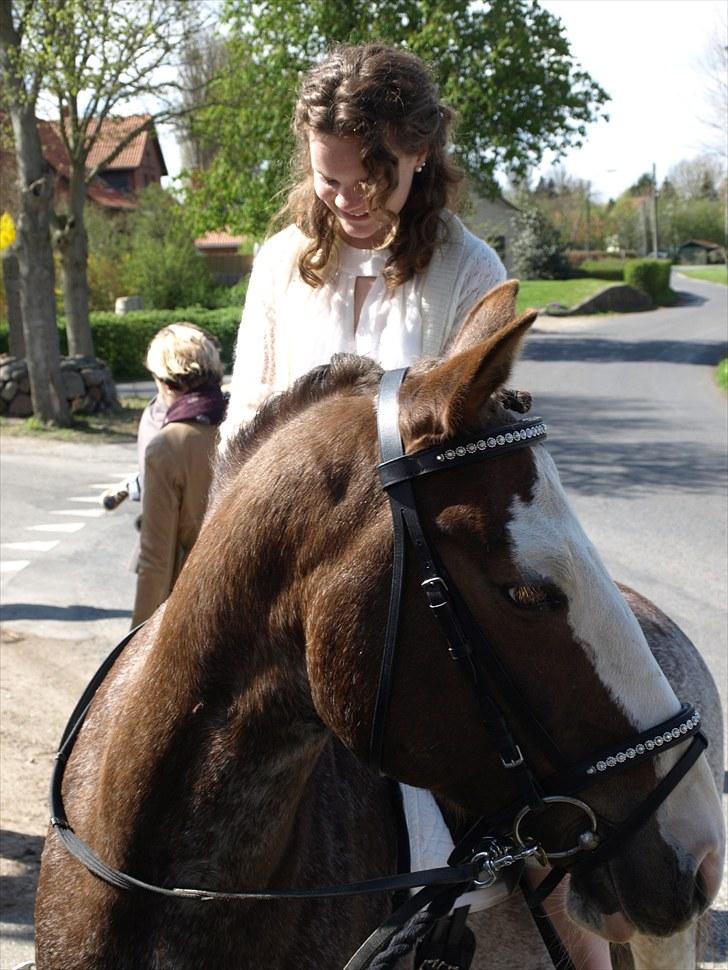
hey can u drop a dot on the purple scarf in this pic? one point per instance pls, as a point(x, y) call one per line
point(205, 405)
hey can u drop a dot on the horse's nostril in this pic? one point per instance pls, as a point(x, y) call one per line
point(700, 896)
point(707, 880)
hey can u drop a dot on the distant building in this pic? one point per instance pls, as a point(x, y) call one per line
point(138, 164)
point(700, 252)
point(221, 252)
point(494, 221)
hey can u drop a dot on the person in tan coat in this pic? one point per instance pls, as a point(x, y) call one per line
point(185, 363)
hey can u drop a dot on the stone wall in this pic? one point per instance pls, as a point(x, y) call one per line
point(87, 382)
point(617, 298)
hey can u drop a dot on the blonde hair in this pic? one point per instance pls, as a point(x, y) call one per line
point(185, 356)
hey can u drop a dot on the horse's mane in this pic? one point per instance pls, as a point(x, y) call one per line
point(345, 372)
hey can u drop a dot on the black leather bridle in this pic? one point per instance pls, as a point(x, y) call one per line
point(492, 844)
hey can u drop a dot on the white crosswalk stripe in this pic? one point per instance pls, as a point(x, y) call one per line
point(33, 546)
point(57, 527)
point(86, 513)
point(13, 565)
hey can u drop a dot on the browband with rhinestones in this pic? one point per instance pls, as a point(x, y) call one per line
point(460, 451)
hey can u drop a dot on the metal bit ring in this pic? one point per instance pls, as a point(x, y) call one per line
point(582, 845)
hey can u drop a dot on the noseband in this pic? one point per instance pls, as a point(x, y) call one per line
point(492, 844)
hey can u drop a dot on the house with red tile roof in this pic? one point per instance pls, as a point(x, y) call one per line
point(138, 164)
point(222, 255)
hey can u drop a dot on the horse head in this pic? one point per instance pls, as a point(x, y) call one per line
point(573, 652)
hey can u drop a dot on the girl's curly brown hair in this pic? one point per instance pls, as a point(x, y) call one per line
point(388, 99)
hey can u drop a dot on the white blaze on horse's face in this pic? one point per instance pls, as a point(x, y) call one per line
point(548, 542)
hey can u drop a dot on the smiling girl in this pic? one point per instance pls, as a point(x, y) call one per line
point(372, 261)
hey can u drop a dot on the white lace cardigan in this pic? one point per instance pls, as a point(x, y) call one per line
point(288, 327)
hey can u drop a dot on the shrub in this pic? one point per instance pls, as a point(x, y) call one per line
point(162, 264)
point(122, 341)
point(652, 276)
point(538, 253)
point(603, 269)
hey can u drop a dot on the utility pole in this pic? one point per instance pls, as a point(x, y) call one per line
point(654, 209)
point(588, 218)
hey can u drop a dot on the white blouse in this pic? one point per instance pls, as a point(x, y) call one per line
point(317, 323)
point(288, 327)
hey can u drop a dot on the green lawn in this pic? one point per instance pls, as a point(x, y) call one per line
point(120, 425)
point(713, 274)
point(721, 374)
point(539, 293)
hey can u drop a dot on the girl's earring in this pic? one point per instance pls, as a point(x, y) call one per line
point(418, 168)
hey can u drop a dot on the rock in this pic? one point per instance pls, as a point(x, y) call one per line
point(127, 304)
point(17, 370)
point(20, 407)
point(87, 385)
point(93, 376)
point(614, 299)
point(73, 385)
point(10, 389)
point(109, 391)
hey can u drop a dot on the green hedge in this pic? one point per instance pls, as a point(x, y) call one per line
point(652, 276)
point(603, 269)
point(122, 341)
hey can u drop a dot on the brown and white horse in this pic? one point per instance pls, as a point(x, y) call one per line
point(226, 747)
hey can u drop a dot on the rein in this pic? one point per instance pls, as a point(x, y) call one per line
point(480, 857)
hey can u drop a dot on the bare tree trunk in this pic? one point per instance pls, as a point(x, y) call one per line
point(11, 281)
point(35, 264)
point(33, 242)
point(72, 242)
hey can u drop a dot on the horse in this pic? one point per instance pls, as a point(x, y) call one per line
point(230, 744)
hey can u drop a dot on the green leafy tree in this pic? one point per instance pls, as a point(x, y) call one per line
point(506, 67)
point(92, 57)
point(538, 251)
point(162, 264)
point(20, 86)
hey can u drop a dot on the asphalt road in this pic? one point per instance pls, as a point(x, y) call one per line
point(639, 431)
point(64, 559)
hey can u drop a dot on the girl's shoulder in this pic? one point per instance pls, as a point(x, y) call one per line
point(459, 247)
point(286, 242)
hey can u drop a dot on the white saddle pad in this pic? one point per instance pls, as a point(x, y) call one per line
point(431, 844)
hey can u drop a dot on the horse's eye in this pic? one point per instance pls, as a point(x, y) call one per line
point(530, 597)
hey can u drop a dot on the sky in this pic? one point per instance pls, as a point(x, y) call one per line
point(646, 54)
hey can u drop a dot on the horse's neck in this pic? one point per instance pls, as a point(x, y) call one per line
point(222, 718)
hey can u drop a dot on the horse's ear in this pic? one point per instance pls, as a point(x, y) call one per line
point(447, 399)
point(490, 314)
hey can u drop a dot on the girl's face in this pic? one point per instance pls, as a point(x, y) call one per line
point(338, 175)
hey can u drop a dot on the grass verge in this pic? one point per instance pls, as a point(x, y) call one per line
point(120, 425)
point(713, 274)
point(539, 293)
point(721, 374)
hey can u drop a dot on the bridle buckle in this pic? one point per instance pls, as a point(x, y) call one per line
point(514, 762)
point(436, 591)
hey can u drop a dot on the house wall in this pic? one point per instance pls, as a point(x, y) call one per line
point(226, 266)
point(694, 255)
point(494, 221)
point(150, 170)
